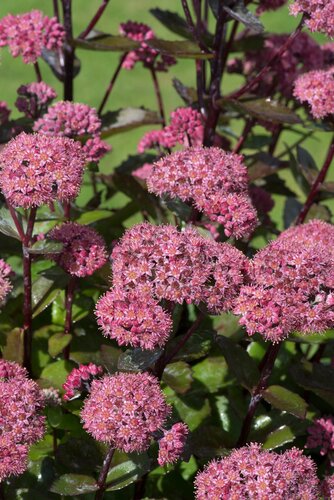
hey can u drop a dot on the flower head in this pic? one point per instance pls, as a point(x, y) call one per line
point(124, 410)
point(5, 285)
point(95, 149)
point(140, 32)
point(171, 445)
point(316, 88)
point(34, 98)
point(4, 112)
point(13, 457)
point(321, 434)
point(319, 14)
point(69, 119)
point(327, 488)
point(133, 319)
point(80, 380)
point(10, 369)
point(215, 181)
point(269, 5)
point(292, 284)
point(84, 249)
point(250, 472)
point(28, 34)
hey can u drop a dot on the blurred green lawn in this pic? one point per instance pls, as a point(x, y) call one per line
point(133, 88)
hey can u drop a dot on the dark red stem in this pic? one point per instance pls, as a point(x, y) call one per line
point(112, 83)
point(248, 86)
point(16, 221)
point(316, 185)
point(101, 482)
point(56, 9)
point(248, 127)
point(38, 71)
point(266, 367)
point(192, 28)
point(95, 19)
point(69, 297)
point(68, 51)
point(158, 96)
point(27, 291)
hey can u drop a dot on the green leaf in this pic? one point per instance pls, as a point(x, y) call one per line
point(211, 372)
point(56, 373)
point(128, 472)
point(263, 109)
point(94, 216)
point(179, 208)
point(7, 225)
point(207, 442)
point(122, 120)
point(196, 347)
point(188, 94)
point(105, 42)
point(285, 400)
point(315, 377)
point(83, 462)
point(45, 247)
point(184, 49)
point(137, 359)
point(279, 437)
point(237, 10)
point(74, 484)
point(178, 376)
point(54, 415)
point(292, 209)
point(241, 364)
point(13, 350)
point(316, 338)
point(58, 342)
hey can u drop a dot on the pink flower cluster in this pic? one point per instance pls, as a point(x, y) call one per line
point(125, 410)
point(75, 120)
point(303, 54)
point(4, 112)
point(292, 284)
point(316, 88)
point(178, 266)
point(265, 5)
point(28, 34)
point(133, 319)
point(186, 128)
point(37, 169)
point(34, 98)
point(319, 14)
point(215, 181)
point(141, 33)
point(250, 472)
point(80, 379)
point(83, 250)
point(172, 443)
point(327, 488)
point(5, 285)
point(21, 424)
point(321, 434)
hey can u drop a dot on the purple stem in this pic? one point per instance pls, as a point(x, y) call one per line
point(16, 221)
point(192, 28)
point(95, 19)
point(38, 72)
point(101, 482)
point(248, 86)
point(112, 83)
point(248, 127)
point(158, 96)
point(266, 367)
point(317, 183)
point(68, 51)
point(27, 291)
point(69, 297)
point(56, 9)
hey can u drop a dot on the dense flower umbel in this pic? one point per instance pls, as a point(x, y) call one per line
point(5, 285)
point(70, 119)
point(83, 250)
point(319, 14)
point(317, 89)
point(250, 473)
point(185, 128)
point(10, 369)
point(321, 434)
point(269, 5)
point(37, 169)
point(216, 182)
point(327, 488)
point(95, 149)
point(172, 444)
point(34, 98)
point(124, 410)
point(133, 319)
point(80, 380)
point(178, 266)
point(13, 457)
point(28, 34)
point(292, 284)
point(140, 32)
point(303, 54)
